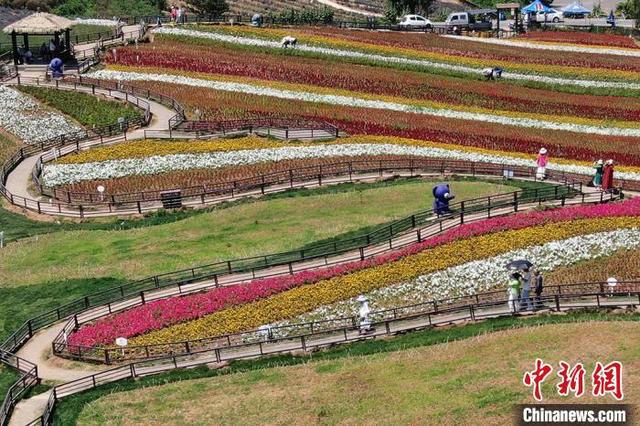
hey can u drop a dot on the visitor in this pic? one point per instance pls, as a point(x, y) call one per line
point(492, 73)
point(363, 313)
point(607, 176)
point(44, 51)
point(179, 15)
point(611, 20)
point(612, 283)
point(525, 299)
point(539, 287)
point(289, 41)
point(541, 162)
point(597, 179)
point(172, 14)
point(52, 48)
point(514, 292)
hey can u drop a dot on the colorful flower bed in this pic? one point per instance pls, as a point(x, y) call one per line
point(326, 96)
point(557, 47)
point(432, 53)
point(387, 271)
point(60, 174)
point(29, 120)
point(580, 37)
point(169, 54)
point(217, 105)
point(456, 246)
point(480, 275)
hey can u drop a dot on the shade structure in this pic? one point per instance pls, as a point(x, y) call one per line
point(576, 8)
point(536, 6)
point(39, 23)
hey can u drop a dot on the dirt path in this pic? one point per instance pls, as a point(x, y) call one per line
point(336, 5)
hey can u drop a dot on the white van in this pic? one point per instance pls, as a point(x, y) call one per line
point(463, 20)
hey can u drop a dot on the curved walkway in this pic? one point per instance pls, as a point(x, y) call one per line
point(19, 180)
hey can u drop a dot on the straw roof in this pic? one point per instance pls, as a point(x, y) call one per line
point(39, 23)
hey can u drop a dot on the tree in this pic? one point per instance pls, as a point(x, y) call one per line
point(214, 8)
point(631, 9)
point(413, 6)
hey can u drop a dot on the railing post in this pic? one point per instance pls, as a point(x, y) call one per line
point(515, 201)
point(557, 298)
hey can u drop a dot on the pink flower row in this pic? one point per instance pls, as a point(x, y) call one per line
point(163, 313)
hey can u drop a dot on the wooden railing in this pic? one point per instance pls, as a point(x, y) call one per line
point(28, 379)
point(388, 324)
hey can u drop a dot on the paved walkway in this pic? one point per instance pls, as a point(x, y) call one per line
point(19, 180)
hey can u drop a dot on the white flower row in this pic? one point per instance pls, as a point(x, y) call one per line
point(351, 101)
point(479, 276)
point(555, 47)
point(256, 42)
point(98, 22)
point(60, 174)
point(29, 120)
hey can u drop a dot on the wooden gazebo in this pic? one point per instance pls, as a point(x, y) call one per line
point(41, 24)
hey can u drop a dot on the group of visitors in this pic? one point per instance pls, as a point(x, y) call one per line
point(178, 15)
point(603, 178)
point(519, 291)
point(47, 51)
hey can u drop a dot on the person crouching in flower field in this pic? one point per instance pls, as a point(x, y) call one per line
point(597, 179)
point(542, 161)
point(607, 176)
point(288, 41)
point(514, 292)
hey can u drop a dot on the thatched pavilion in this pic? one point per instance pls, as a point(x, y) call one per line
point(41, 24)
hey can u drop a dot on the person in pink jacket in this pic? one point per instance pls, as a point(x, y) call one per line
point(542, 161)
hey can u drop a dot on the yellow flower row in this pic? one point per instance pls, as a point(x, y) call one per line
point(385, 98)
point(306, 298)
point(150, 147)
point(434, 56)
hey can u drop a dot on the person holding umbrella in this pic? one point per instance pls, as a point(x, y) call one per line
point(514, 292)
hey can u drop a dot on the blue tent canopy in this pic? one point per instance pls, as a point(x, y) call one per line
point(536, 6)
point(575, 8)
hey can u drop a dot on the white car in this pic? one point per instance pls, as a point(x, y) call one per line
point(553, 16)
point(415, 21)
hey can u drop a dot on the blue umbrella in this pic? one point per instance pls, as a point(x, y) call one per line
point(575, 8)
point(535, 7)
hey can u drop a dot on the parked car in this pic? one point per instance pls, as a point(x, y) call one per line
point(464, 21)
point(553, 16)
point(417, 21)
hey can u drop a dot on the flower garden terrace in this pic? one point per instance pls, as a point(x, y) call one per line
point(417, 271)
point(230, 77)
point(551, 238)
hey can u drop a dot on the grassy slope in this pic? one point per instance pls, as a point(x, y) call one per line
point(402, 380)
point(32, 270)
point(243, 230)
point(87, 109)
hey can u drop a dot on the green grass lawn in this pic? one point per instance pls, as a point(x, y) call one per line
point(52, 267)
point(88, 110)
point(243, 230)
point(445, 376)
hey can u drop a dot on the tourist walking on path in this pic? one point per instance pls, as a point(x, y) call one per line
point(607, 176)
point(173, 13)
point(597, 179)
point(539, 287)
point(542, 161)
point(514, 292)
point(525, 299)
